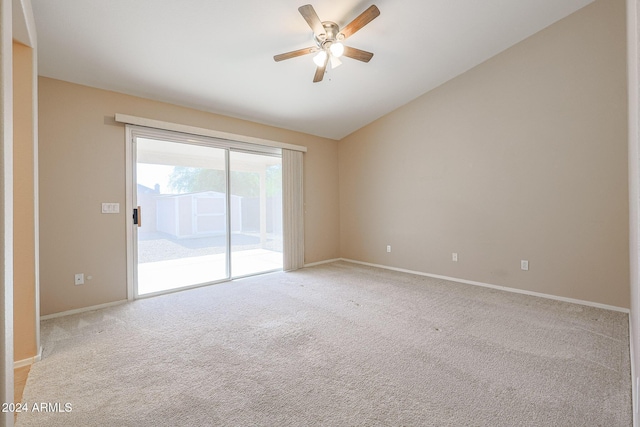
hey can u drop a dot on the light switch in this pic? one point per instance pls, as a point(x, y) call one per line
point(110, 208)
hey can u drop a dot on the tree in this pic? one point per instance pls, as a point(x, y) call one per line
point(185, 179)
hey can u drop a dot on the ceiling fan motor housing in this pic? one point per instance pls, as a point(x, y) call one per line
point(331, 35)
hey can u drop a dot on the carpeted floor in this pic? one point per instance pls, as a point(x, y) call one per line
point(335, 345)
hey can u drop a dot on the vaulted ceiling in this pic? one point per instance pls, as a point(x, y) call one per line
point(217, 55)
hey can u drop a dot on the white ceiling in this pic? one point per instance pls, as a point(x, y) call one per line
point(217, 55)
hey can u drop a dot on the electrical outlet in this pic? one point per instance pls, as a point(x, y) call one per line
point(454, 257)
point(79, 279)
point(524, 265)
point(388, 248)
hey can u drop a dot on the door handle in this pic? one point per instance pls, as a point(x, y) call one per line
point(137, 216)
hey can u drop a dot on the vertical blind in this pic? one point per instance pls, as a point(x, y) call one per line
point(293, 209)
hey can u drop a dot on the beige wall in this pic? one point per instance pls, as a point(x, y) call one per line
point(24, 262)
point(82, 164)
point(522, 157)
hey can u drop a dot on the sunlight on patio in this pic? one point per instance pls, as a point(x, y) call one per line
point(161, 276)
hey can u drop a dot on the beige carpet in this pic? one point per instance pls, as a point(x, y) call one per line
point(335, 345)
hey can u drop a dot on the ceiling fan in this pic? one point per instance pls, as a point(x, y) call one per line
point(328, 37)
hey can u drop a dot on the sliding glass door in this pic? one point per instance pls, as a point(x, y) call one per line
point(256, 213)
point(204, 213)
point(182, 220)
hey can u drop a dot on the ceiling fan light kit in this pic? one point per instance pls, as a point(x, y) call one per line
point(320, 58)
point(337, 49)
point(329, 37)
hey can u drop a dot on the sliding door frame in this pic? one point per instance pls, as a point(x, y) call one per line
point(130, 183)
point(132, 132)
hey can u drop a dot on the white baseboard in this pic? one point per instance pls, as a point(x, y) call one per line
point(500, 288)
point(82, 310)
point(28, 361)
point(312, 264)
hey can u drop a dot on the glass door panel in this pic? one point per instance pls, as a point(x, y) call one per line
point(255, 213)
point(182, 235)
